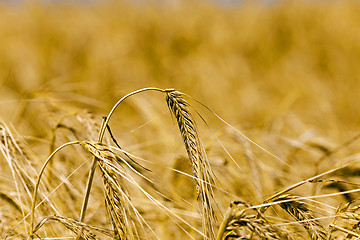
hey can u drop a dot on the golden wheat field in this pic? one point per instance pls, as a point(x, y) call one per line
point(180, 120)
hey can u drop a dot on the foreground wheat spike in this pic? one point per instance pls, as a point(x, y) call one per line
point(116, 198)
point(303, 215)
point(75, 226)
point(245, 224)
point(346, 220)
point(201, 168)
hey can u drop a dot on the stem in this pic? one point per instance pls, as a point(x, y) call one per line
point(103, 128)
point(94, 162)
point(31, 231)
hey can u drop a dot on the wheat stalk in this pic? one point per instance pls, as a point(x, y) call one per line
point(201, 168)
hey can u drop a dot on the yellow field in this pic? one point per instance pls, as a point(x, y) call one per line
point(282, 78)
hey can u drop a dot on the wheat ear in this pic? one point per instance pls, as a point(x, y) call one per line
point(246, 224)
point(75, 227)
point(201, 168)
point(117, 200)
point(348, 216)
point(303, 215)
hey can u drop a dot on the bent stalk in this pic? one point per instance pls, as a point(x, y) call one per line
point(31, 230)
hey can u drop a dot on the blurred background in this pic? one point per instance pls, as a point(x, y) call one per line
point(252, 61)
point(286, 73)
